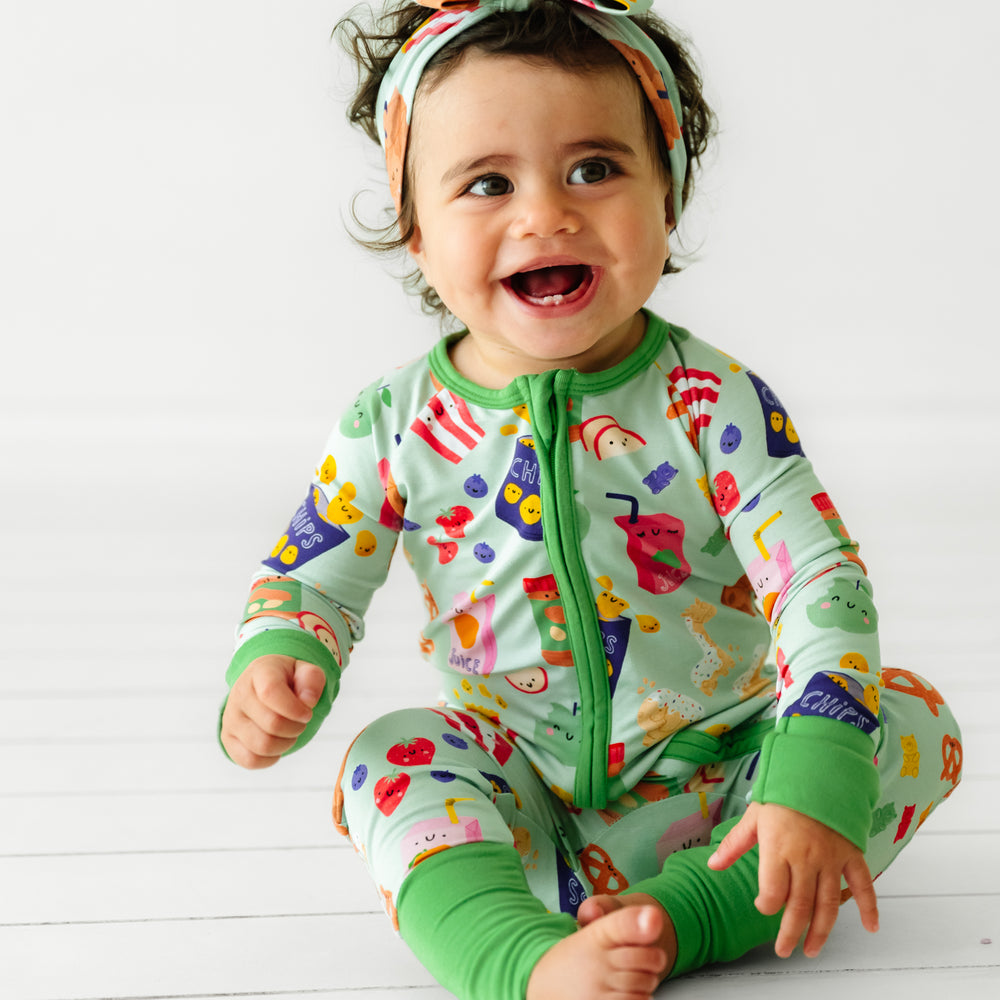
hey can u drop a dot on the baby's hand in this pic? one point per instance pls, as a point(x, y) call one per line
point(801, 864)
point(269, 706)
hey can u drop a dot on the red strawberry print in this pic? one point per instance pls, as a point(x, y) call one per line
point(410, 752)
point(389, 792)
point(454, 521)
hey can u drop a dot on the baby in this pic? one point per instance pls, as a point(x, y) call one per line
point(613, 524)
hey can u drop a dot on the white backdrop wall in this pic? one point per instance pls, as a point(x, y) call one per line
point(183, 314)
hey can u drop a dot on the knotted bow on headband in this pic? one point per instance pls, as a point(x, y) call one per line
point(609, 18)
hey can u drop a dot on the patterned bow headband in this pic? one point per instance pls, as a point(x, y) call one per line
point(608, 18)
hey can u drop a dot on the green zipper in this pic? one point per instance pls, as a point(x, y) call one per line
point(548, 405)
point(548, 397)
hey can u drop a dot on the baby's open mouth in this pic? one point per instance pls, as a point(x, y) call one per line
point(551, 286)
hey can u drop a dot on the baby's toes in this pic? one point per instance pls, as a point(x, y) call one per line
point(595, 907)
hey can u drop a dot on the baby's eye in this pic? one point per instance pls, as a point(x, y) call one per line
point(591, 172)
point(490, 186)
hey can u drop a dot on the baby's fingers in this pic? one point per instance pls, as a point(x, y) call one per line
point(799, 902)
point(249, 746)
point(276, 700)
point(859, 881)
point(774, 882)
point(273, 722)
point(824, 916)
point(740, 839)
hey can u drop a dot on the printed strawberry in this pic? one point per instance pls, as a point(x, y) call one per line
point(454, 521)
point(389, 792)
point(410, 752)
point(446, 550)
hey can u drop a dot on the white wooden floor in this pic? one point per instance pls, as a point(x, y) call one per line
point(135, 861)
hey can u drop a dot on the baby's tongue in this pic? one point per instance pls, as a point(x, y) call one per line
point(550, 280)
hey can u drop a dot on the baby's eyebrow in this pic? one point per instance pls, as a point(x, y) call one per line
point(603, 144)
point(491, 160)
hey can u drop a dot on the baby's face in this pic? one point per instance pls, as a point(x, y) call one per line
point(542, 213)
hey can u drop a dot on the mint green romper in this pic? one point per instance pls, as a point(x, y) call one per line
point(645, 611)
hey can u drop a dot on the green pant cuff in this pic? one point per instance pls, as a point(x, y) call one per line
point(713, 912)
point(470, 918)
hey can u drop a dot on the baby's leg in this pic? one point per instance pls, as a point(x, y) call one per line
point(431, 800)
point(713, 913)
point(470, 918)
point(919, 762)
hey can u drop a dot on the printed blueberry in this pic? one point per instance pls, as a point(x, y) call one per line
point(443, 776)
point(360, 774)
point(455, 741)
point(475, 486)
point(484, 553)
point(753, 503)
point(730, 440)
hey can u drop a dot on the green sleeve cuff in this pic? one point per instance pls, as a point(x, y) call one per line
point(302, 646)
point(823, 768)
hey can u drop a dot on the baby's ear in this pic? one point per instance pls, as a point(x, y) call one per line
point(668, 215)
point(415, 248)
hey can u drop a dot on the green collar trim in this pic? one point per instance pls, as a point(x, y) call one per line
point(579, 384)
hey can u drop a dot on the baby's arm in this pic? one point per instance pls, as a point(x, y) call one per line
point(816, 781)
point(307, 601)
point(268, 708)
point(800, 868)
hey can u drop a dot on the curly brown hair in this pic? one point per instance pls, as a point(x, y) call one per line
point(547, 31)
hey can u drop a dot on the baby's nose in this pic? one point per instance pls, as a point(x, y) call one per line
point(545, 212)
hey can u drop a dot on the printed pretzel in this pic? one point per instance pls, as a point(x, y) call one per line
point(601, 872)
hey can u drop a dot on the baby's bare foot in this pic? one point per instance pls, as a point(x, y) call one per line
point(616, 955)
point(595, 907)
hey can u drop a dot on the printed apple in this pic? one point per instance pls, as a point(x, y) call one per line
point(389, 792)
point(530, 680)
point(416, 751)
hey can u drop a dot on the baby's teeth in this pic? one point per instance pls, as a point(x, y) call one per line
point(552, 300)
